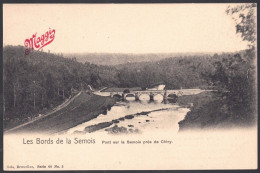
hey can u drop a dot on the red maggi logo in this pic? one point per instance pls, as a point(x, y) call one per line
point(39, 42)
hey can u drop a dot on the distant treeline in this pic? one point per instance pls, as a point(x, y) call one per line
point(123, 58)
point(42, 80)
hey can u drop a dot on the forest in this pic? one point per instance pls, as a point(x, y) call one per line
point(39, 81)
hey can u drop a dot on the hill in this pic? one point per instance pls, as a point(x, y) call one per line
point(124, 58)
point(40, 81)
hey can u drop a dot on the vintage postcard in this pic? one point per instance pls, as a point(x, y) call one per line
point(130, 86)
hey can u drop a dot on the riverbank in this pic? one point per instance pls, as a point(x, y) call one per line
point(83, 108)
point(213, 110)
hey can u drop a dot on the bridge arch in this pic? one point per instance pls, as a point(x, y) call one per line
point(147, 96)
point(173, 97)
point(129, 95)
point(116, 96)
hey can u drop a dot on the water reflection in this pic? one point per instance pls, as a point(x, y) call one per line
point(146, 116)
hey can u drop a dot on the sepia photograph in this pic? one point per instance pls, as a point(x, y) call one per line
point(165, 86)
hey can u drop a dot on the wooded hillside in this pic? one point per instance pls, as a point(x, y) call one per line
point(38, 81)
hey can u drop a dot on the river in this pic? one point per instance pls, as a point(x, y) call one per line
point(155, 116)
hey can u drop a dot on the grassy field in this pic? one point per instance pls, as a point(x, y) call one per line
point(83, 108)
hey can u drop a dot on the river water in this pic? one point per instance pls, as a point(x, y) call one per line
point(155, 116)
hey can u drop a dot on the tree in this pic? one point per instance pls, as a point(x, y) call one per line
point(245, 18)
point(236, 73)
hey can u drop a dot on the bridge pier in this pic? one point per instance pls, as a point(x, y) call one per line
point(165, 96)
point(151, 96)
point(123, 97)
point(136, 96)
point(165, 101)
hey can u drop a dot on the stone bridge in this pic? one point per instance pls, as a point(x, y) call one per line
point(165, 93)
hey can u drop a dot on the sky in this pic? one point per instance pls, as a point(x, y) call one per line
point(124, 28)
